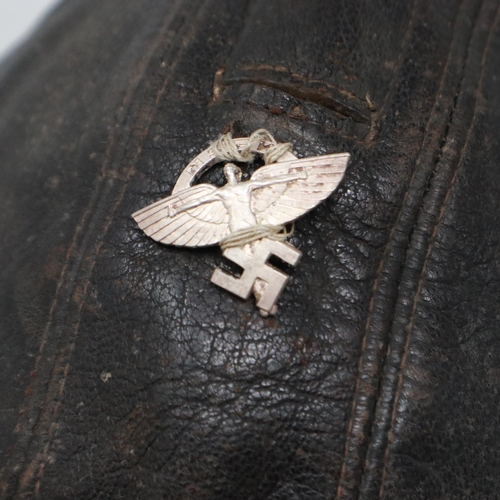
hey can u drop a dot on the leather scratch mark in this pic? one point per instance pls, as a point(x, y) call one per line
point(219, 86)
point(344, 103)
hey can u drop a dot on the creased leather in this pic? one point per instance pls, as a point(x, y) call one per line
point(126, 374)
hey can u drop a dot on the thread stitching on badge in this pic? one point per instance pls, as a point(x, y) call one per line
point(226, 149)
point(254, 233)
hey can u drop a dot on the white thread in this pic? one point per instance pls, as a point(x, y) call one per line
point(254, 233)
point(276, 151)
point(226, 149)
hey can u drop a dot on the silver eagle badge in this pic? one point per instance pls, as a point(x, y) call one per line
point(246, 218)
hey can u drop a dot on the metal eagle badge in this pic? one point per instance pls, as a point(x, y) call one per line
point(246, 218)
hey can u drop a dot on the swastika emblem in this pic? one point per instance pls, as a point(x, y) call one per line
point(265, 281)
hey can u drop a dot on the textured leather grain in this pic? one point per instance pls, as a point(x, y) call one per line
point(125, 374)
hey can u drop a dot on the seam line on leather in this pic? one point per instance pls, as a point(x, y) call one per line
point(429, 249)
point(66, 282)
point(121, 193)
point(341, 490)
point(354, 452)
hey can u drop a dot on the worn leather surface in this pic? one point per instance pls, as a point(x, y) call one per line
point(125, 374)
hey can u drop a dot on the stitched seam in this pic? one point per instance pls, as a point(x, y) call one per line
point(373, 292)
point(85, 225)
point(426, 260)
point(376, 284)
point(92, 265)
point(61, 283)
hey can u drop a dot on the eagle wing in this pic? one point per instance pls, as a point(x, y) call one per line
point(199, 226)
point(284, 202)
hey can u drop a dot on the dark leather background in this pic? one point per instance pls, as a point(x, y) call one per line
point(125, 374)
